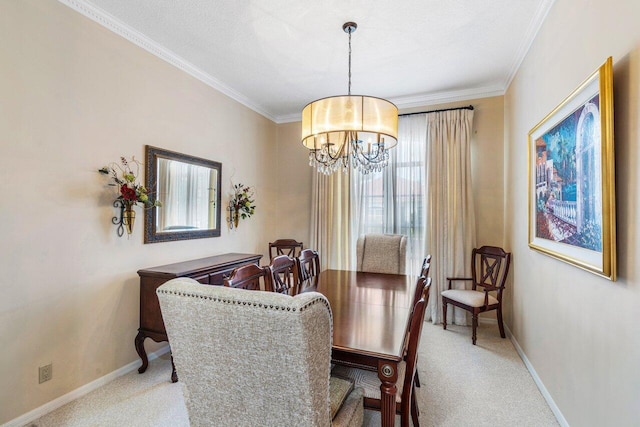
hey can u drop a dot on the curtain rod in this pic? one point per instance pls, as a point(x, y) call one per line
point(468, 107)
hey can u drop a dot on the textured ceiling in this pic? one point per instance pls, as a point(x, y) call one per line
point(276, 56)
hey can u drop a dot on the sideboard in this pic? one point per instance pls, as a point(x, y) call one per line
point(208, 271)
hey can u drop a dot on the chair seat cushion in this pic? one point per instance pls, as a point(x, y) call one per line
point(467, 297)
point(351, 413)
point(339, 389)
point(369, 380)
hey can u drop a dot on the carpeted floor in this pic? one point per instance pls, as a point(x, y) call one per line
point(462, 385)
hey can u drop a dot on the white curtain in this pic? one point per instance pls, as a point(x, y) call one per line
point(450, 231)
point(394, 201)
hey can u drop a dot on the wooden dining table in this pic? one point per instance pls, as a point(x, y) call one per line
point(370, 321)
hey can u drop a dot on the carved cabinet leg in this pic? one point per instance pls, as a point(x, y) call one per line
point(139, 342)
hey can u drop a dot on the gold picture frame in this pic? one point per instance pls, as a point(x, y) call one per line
point(571, 178)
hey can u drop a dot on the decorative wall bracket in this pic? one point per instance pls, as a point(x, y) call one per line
point(126, 218)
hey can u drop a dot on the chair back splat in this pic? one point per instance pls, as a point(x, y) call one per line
point(308, 264)
point(251, 277)
point(254, 358)
point(284, 275)
point(289, 247)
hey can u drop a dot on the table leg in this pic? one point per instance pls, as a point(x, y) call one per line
point(388, 375)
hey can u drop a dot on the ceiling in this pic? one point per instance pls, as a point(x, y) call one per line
point(275, 56)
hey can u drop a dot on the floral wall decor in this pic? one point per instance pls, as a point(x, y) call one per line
point(242, 204)
point(124, 175)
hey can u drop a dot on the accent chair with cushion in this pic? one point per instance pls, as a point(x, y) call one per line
point(489, 269)
point(382, 253)
point(254, 358)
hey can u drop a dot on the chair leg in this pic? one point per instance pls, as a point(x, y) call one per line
point(444, 315)
point(475, 326)
point(500, 325)
point(414, 410)
point(416, 379)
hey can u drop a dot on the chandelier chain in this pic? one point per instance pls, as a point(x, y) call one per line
point(349, 91)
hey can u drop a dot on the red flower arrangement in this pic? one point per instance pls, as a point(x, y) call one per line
point(124, 176)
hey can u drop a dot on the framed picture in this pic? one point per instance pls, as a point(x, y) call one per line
point(572, 214)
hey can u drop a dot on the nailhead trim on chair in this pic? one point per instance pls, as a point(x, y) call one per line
point(236, 302)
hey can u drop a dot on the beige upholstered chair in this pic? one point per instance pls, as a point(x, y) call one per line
point(381, 253)
point(254, 358)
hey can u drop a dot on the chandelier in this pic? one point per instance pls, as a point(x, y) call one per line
point(349, 130)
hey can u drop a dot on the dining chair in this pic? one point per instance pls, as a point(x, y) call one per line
point(251, 277)
point(255, 358)
point(289, 247)
point(489, 269)
point(423, 282)
point(381, 253)
point(426, 266)
point(308, 264)
point(406, 404)
point(284, 275)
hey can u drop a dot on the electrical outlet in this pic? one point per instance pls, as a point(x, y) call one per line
point(45, 373)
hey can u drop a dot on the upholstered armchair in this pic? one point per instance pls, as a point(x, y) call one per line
point(254, 358)
point(381, 253)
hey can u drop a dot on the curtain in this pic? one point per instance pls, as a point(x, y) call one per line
point(394, 201)
point(450, 231)
point(330, 225)
point(425, 193)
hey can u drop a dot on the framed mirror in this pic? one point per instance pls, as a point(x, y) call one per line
point(189, 189)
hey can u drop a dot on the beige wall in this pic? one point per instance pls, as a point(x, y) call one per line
point(580, 332)
point(74, 97)
point(293, 207)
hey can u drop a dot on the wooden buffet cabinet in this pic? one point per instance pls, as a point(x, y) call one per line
point(208, 271)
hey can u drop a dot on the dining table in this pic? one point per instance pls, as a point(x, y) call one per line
point(371, 313)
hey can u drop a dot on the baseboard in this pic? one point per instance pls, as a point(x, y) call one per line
point(81, 391)
point(543, 390)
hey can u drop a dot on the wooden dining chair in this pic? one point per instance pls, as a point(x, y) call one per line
point(423, 282)
point(289, 247)
point(284, 275)
point(426, 266)
point(308, 268)
point(251, 277)
point(406, 404)
point(489, 269)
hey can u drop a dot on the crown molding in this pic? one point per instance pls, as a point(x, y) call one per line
point(446, 97)
point(113, 24)
point(532, 33)
point(423, 100)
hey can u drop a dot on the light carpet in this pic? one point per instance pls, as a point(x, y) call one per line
point(462, 385)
